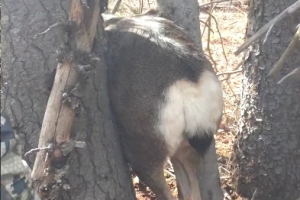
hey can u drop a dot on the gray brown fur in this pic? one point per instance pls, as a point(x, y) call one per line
point(146, 56)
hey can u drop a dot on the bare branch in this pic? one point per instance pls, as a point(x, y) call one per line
point(141, 6)
point(208, 37)
point(216, 2)
point(293, 76)
point(229, 72)
point(218, 30)
point(206, 25)
point(254, 194)
point(116, 6)
point(268, 33)
point(226, 195)
point(50, 147)
point(295, 41)
point(288, 11)
point(170, 173)
point(48, 29)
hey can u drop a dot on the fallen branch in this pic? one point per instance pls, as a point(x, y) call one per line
point(288, 11)
point(63, 100)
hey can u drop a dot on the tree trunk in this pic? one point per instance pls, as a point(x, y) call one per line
point(186, 14)
point(96, 172)
point(267, 156)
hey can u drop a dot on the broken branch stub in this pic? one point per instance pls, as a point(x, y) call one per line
point(59, 115)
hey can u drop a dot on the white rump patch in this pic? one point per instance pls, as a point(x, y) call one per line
point(190, 108)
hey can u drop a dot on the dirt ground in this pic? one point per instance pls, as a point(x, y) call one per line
point(227, 33)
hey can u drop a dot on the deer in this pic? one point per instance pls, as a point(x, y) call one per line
point(165, 98)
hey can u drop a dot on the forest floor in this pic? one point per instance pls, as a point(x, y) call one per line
point(227, 33)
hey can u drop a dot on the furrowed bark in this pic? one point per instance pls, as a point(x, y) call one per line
point(266, 155)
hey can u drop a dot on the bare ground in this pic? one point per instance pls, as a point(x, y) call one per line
point(227, 33)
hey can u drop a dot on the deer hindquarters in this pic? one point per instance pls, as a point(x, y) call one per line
point(192, 110)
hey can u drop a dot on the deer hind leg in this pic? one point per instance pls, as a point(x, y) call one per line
point(185, 162)
point(152, 175)
point(147, 160)
point(154, 178)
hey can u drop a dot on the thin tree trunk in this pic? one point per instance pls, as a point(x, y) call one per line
point(267, 157)
point(96, 172)
point(184, 13)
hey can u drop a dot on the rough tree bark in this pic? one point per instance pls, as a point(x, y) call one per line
point(186, 14)
point(267, 156)
point(96, 172)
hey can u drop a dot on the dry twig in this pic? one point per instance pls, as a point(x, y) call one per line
point(48, 29)
point(170, 173)
point(226, 195)
point(141, 6)
point(208, 24)
point(254, 194)
point(50, 147)
point(116, 6)
point(215, 2)
point(230, 72)
point(208, 37)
